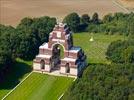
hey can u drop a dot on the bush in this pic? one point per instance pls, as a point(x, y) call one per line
point(121, 51)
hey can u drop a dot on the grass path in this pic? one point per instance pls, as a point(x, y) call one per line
point(41, 86)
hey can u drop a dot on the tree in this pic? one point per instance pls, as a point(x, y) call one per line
point(95, 18)
point(25, 22)
point(73, 21)
point(121, 51)
point(32, 33)
point(28, 47)
point(119, 15)
point(8, 46)
point(85, 19)
point(128, 54)
point(43, 25)
point(131, 27)
point(107, 18)
point(5, 59)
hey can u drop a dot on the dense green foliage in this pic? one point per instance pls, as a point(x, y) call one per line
point(8, 45)
point(32, 33)
point(103, 82)
point(95, 18)
point(121, 51)
point(73, 21)
point(85, 19)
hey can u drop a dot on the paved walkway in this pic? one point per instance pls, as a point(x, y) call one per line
point(57, 73)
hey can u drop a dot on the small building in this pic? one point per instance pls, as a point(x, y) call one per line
point(48, 59)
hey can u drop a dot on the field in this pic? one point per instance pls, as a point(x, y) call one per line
point(95, 50)
point(12, 11)
point(129, 4)
point(41, 86)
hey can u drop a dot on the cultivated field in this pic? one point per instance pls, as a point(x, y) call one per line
point(12, 11)
point(41, 87)
point(129, 4)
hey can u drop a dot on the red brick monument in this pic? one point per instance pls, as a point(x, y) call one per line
point(49, 59)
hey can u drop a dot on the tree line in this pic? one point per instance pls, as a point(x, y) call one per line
point(117, 23)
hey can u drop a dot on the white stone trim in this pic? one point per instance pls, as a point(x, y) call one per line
point(44, 56)
point(36, 66)
point(58, 34)
point(73, 71)
point(47, 68)
point(58, 40)
point(75, 49)
point(44, 45)
point(61, 96)
point(62, 69)
point(69, 59)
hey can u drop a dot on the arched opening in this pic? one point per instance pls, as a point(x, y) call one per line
point(57, 55)
point(67, 68)
point(42, 64)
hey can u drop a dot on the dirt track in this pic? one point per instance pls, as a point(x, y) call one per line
point(12, 11)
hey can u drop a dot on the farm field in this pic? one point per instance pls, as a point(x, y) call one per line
point(94, 50)
point(12, 11)
point(129, 4)
point(40, 86)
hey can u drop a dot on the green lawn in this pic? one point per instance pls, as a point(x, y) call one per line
point(95, 50)
point(41, 87)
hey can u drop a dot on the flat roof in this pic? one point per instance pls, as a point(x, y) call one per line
point(44, 45)
point(43, 56)
point(75, 49)
point(69, 59)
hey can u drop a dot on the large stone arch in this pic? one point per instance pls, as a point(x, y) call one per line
point(56, 57)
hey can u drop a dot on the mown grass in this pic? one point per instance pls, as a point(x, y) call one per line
point(95, 50)
point(41, 87)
